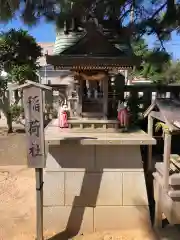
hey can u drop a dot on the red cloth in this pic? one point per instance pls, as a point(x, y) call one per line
point(123, 117)
point(63, 120)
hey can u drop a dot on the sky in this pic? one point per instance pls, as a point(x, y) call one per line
point(45, 32)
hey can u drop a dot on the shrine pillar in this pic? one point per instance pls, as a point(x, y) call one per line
point(79, 89)
point(128, 77)
point(80, 96)
point(105, 96)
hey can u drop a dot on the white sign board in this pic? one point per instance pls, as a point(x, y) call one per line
point(34, 125)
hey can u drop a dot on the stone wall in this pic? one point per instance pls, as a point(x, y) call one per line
point(94, 188)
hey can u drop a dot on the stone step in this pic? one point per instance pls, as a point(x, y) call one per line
point(174, 174)
point(95, 124)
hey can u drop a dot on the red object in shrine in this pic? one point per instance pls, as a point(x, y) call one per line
point(63, 119)
point(123, 117)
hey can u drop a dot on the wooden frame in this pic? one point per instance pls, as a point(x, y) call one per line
point(166, 110)
point(167, 113)
point(167, 147)
point(104, 100)
point(150, 132)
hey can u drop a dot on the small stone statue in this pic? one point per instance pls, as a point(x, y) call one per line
point(89, 93)
point(62, 117)
point(123, 115)
point(95, 93)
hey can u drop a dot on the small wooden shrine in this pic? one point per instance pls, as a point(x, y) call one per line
point(167, 174)
point(91, 59)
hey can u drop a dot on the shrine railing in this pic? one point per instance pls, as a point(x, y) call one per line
point(138, 96)
point(144, 94)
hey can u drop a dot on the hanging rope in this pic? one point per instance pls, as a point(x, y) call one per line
point(94, 77)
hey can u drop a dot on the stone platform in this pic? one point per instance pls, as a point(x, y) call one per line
point(94, 181)
point(102, 125)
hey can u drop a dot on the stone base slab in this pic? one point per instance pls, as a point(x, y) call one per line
point(94, 188)
point(78, 220)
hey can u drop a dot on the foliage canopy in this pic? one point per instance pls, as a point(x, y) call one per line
point(154, 61)
point(18, 55)
point(158, 17)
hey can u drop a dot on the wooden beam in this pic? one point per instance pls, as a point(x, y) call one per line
point(174, 194)
point(39, 203)
point(150, 132)
point(105, 97)
point(80, 95)
point(157, 115)
point(175, 159)
point(166, 159)
point(160, 170)
point(29, 83)
point(174, 179)
point(150, 108)
point(158, 205)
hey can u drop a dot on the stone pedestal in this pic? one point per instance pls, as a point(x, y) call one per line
point(94, 188)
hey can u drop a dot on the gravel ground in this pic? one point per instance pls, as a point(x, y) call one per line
point(17, 203)
point(17, 209)
point(17, 198)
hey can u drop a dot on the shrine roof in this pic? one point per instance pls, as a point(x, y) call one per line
point(28, 84)
point(93, 48)
point(167, 111)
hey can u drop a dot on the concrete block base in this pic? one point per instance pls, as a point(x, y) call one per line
point(94, 188)
point(78, 220)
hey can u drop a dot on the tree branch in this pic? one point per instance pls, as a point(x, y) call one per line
point(157, 11)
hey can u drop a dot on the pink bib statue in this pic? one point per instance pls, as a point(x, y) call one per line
point(123, 115)
point(62, 117)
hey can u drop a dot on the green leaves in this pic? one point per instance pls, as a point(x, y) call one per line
point(22, 73)
point(172, 74)
point(163, 126)
point(158, 17)
point(17, 48)
point(154, 62)
point(18, 56)
point(16, 112)
point(8, 9)
point(3, 84)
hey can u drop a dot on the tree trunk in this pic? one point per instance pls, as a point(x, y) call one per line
point(16, 96)
point(9, 122)
point(5, 107)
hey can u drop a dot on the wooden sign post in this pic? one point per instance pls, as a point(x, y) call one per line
point(34, 126)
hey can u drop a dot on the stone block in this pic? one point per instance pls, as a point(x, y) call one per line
point(121, 218)
point(70, 157)
point(73, 220)
point(118, 158)
point(110, 192)
point(81, 189)
point(53, 193)
point(134, 189)
point(92, 189)
point(171, 209)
